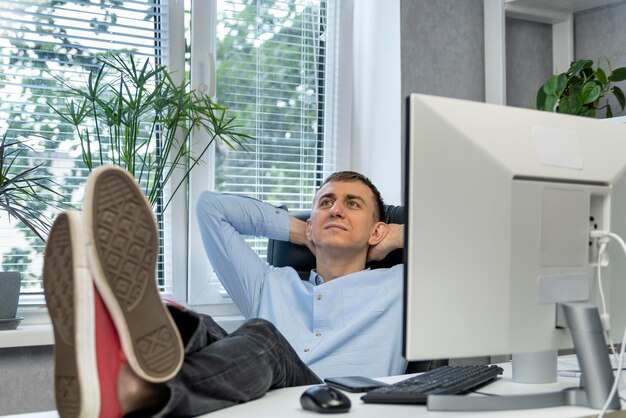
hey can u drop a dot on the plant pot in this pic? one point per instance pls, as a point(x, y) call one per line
point(9, 298)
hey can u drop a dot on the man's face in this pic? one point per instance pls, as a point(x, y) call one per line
point(343, 216)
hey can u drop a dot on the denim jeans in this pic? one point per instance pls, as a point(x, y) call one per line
point(221, 369)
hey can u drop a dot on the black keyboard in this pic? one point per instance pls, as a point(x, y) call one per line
point(445, 380)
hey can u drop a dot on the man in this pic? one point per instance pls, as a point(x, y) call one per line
point(166, 361)
point(345, 320)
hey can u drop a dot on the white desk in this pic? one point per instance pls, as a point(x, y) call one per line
point(286, 403)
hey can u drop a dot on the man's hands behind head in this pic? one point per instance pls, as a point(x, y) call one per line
point(393, 241)
point(297, 234)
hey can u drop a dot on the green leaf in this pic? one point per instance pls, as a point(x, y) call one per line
point(579, 65)
point(591, 92)
point(601, 76)
point(618, 74)
point(575, 67)
point(609, 111)
point(619, 95)
point(590, 113)
point(23, 190)
point(541, 99)
point(550, 86)
point(575, 83)
point(551, 101)
point(561, 85)
point(571, 104)
point(587, 73)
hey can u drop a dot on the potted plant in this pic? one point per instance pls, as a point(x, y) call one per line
point(135, 116)
point(582, 90)
point(21, 197)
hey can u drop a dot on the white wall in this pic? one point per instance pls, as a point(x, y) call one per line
point(376, 113)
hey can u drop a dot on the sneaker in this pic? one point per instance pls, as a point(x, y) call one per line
point(122, 249)
point(86, 351)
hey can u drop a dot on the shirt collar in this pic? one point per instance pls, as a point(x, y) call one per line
point(315, 278)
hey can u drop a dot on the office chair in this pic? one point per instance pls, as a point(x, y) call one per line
point(284, 253)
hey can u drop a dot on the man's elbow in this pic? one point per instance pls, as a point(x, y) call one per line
point(207, 204)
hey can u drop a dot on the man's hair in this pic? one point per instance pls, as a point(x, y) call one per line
point(354, 176)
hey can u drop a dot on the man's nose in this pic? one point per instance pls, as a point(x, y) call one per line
point(337, 209)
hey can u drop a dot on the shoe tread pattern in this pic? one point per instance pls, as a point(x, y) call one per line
point(58, 288)
point(126, 241)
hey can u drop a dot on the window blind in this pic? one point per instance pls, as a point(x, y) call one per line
point(271, 58)
point(43, 40)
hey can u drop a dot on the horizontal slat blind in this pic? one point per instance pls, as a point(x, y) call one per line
point(270, 73)
point(41, 40)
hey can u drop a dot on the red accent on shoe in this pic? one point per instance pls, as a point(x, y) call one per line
point(174, 303)
point(110, 361)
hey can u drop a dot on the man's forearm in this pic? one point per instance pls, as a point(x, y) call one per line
point(297, 232)
point(396, 235)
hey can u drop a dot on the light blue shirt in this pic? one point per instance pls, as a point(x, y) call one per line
point(350, 326)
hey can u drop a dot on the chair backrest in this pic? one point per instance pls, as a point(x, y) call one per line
point(284, 253)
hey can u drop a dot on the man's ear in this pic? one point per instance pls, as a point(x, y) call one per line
point(381, 230)
point(308, 229)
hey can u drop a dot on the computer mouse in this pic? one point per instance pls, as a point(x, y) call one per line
point(324, 399)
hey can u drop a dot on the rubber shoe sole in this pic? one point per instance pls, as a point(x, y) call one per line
point(70, 298)
point(122, 249)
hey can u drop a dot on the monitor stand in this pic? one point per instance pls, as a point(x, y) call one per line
point(534, 367)
point(585, 327)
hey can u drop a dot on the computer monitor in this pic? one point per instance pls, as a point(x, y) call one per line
point(500, 203)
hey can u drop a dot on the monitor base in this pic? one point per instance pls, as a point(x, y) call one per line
point(567, 397)
point(584, 323)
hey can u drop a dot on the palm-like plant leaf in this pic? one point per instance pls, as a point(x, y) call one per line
point(144, 121)
point(22, 189)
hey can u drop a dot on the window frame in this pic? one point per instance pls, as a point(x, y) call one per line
point(208, 295)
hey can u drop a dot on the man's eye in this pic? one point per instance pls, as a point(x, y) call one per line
point(325, 203)
point(353, 204)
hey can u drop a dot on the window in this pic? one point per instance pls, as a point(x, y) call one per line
point(270, 73)
point(273, 74)
point(43, 40)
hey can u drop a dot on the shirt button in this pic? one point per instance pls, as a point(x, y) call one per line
point(318, 297)
point(306, 350)
point(318, 334)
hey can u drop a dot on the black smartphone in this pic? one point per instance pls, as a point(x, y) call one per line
point(354, 383)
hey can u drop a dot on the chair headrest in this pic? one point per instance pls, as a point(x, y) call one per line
point(284, 253)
